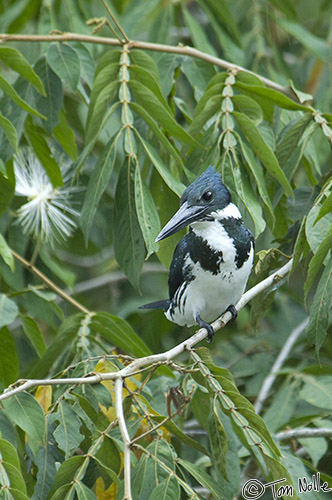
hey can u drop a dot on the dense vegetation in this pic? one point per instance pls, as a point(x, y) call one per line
point(108, 110)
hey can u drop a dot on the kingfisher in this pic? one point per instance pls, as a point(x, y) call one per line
point(212, 262)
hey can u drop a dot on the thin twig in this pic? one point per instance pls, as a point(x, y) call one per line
point(157, 47)
point(125, 438)
point(161, 358)
point(281, 358)
point(115, 21)
point(304, 432)
point(50, 283)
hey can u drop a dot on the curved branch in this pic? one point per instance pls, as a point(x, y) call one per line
point(157, 47)
point(304, 432)
point(161, 358)
point(125, 438)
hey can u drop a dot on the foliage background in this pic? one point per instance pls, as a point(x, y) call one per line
point(135, 126)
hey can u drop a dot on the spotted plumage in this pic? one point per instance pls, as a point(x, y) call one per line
point(212, 263)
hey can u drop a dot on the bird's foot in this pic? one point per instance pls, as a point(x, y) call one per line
point(207, 326)
point(233, 311)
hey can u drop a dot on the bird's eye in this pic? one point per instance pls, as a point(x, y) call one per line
point(207, 196)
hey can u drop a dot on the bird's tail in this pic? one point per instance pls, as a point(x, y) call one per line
point(159, 304)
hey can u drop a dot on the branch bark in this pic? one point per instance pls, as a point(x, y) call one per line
point(304, 432)
point(156, 47)
point(161, 358)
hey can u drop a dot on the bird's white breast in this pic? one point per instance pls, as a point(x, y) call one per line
point(210, 294)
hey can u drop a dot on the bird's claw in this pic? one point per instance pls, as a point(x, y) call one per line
point(207, 326)
point(232, 309)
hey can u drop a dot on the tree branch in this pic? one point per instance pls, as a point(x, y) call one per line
point(125, 438)
point(161, 358)
point(304, 432)
point(281, 358)
point(157, 47)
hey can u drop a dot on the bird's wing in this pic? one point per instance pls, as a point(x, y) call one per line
point(177, 273)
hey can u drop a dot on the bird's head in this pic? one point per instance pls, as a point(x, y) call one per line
point(205, 195)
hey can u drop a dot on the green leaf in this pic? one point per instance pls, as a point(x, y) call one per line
point(315, 447)
point(128, 239)
point(262, 150)
point(249, 199)
point(198, 73)
point(10, 131)
point(117, 331)
point(147, 213)
point(198, 34)
point(316, 231)
point(44, 154)
point(50, 106)
point(8, 310)
point(8, 358)
point(100, 110)
point(7, 184)
point(202, 478)
point(45, 462)
point(313, 43)
point(11, 92)
point(146, 98)
point(257, 171)
point(208, 105)
point(157, 132)
point(290, 137)
point(83, 492)
point(6, 253)
point(317, 260)
point(226, 16)
point(168, 489)
point(300, 243)
point(317, 391)
point(11, 474)
point(320, 309)
point(17, 62)
point(33, 333)
point(139, 74)
point(25, 411)
point(98, 182)
point(67, 434)
point(87, 61)
point(65, 62)
point(65, 337)
point(249, 107)
point(143, 60)
point(218, 439)
point(179, 434)
point(176, 186)
point(66, 474)
point(66, 137)
point(283, 405)
point(325, 208)
point(108, 458)
point(274, 96)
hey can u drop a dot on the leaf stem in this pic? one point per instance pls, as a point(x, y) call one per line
point(33, 269)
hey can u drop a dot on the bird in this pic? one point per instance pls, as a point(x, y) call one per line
point(211, 264)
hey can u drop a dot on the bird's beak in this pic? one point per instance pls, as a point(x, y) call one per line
point(183, 217)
